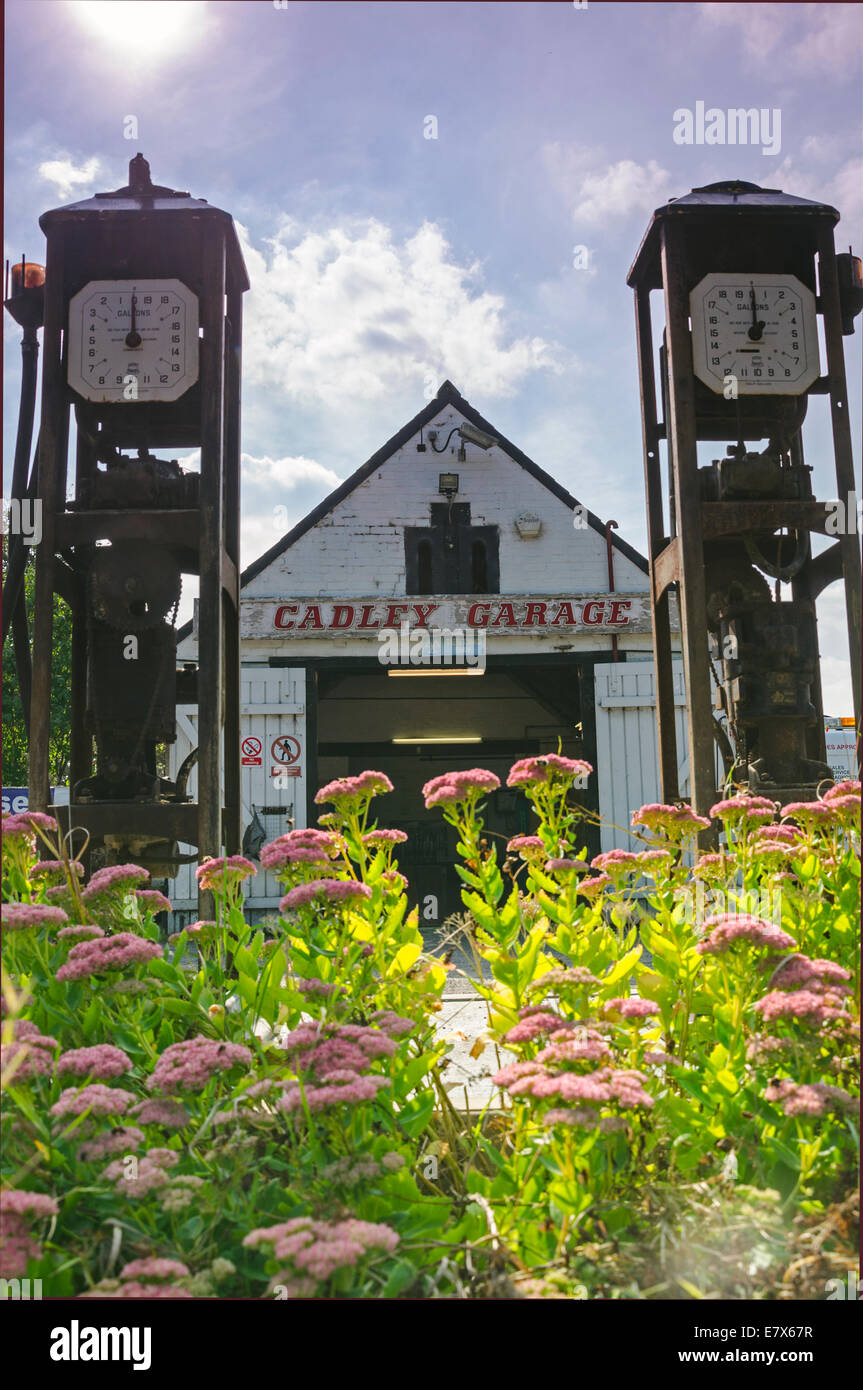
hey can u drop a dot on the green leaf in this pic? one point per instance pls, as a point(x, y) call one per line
point(91, 1017)
point(245, 961)
point(415, 1115)
point(402, 1274)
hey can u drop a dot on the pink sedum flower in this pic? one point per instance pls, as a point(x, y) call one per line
point(728, 929)
point(189, 1065)
point(333, 890)
point(808, 1099)
point(102, 1061)
point(217, 875)
point(347, 792)
point(154, 1268)
point(21, 916)
point(93, 1100)
point(107, 954)
point(631, 1008)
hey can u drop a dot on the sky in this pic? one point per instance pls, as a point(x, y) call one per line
point(433, 190)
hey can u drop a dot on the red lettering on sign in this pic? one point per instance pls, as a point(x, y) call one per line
point(393, 611)
point(367, 609)
point(535, 616)
point(280, 612)
point(505, 616)
point(312, 617)
point(617, 614)
point(564, 615)
point(347, 610)
point(586, 611)
point(477, 619)
point(423, 611)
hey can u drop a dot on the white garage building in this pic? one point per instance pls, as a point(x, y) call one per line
point(513, 616)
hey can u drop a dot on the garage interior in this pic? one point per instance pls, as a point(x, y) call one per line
point(414, 727)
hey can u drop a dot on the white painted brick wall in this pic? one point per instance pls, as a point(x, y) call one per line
point(358, 548)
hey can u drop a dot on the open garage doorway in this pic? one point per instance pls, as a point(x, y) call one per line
point(410, 729)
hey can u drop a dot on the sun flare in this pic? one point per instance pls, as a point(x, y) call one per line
point(149, 29)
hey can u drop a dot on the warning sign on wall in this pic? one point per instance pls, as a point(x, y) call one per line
point(285, 750)
point(251, 750)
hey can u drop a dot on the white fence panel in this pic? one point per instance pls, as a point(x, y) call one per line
point(273, 706)
point(627, 745)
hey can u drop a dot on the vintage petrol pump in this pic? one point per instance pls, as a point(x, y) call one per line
point(142, 333)
point(745, 273)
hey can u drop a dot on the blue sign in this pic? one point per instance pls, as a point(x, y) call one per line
point(17, 799)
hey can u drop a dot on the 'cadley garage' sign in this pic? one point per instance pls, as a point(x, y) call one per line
point(501, 613)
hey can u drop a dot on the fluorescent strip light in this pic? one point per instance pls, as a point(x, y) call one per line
point(438, 671)
point(447, 738)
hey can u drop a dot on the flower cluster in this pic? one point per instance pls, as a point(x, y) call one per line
point(135, 1177)
point(107, 954)
point(28, 1054)
point(743, 811)
point(112, 881)
point(103, 1061)
point(332, 1059)
point(808, 1099)
point(54, 870)
point(92, 1100)
point(313, 1250)
point(543, 769)
point(168, 1114)
point(677, 822)
point(333, 890)
point(631, 1008)
point(122, 1139)
point(727, 930)
point(20, 916)
point(347, 792)
point(224, 873)
point(189, 1065)
point(453, 788)
point(19, 1211)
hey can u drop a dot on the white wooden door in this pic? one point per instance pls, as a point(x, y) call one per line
point(273, 706)
point(627, 744)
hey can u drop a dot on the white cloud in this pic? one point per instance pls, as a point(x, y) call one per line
point(598, 190)
point(621, 190)
point(842, 189)
point(351, 312)
point(288, 474)
point(815, 37)
point(70, 179)
point(761, 26)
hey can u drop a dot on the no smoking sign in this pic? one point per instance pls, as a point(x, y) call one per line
point(251, 750)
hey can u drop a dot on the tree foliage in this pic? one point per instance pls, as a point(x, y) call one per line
point(15, 760)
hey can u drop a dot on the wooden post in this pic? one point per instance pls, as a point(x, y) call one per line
point(231, 602)
point(210, 626)
point(51, 496)
point(681, 430)
point(656, 541)
point(842, 452)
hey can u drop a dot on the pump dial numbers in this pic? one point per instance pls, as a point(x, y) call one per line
point(758, 329)
point(133, 340)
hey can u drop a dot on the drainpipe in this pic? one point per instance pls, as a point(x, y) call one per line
point(609, 549)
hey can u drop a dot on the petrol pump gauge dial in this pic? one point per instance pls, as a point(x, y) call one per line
point(759, 330)
point(133, 340)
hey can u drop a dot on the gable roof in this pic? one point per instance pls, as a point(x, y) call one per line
point(447, 395)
